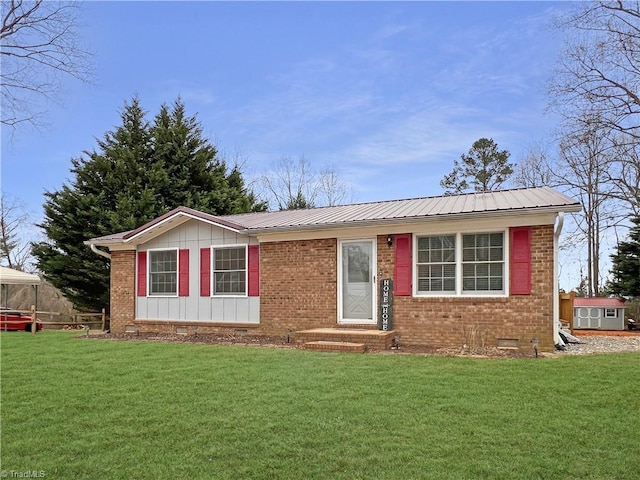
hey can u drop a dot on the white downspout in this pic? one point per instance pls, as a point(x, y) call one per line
point(556, 282)
point(102, 253)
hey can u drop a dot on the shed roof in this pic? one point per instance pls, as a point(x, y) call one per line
point(599, 302)
point(511, 202)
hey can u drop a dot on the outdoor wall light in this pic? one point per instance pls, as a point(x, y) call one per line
point(535, 342)
point(390, 240)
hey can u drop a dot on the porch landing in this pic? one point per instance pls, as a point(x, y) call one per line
point(345, 339)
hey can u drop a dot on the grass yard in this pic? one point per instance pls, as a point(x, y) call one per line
point(75, 408)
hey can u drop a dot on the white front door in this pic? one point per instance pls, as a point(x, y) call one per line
point(357, 285)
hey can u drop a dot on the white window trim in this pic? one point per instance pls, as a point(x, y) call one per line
point(614, 310)
point(455, 264)
point(459, 292)
point(163, 295)
point(212, 271)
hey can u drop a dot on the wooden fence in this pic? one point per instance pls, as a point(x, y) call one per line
point(566, 309)
point(78, 319)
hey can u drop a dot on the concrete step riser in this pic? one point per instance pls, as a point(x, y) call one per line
point(345, 347)
point(371, 338)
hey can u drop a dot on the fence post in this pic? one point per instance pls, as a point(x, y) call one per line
point(104, 318)
point(33, 320)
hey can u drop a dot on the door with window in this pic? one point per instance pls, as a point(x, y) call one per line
point(357, 293)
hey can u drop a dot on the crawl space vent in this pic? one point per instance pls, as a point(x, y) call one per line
point(507, 343)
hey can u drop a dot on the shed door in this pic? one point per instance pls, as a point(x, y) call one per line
point(357, 282)
point(588, 317)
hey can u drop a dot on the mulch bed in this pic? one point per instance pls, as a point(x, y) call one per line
point(279, 342)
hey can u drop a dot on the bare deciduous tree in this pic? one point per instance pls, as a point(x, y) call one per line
point(333, 190)
point(585, 157)
point(596, 90)
point(535, 169)
point(14, 251)
point(295, 184)
point(599, 70)
point(624, 173)
point(290, 184)
point(39, 45)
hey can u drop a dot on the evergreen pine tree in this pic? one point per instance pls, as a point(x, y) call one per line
point(139, 172)
point(483, 169)
point(626, 265)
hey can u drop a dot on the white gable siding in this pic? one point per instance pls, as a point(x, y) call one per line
point(194, 235)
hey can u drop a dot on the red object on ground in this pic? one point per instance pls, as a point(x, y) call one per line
point(607, 333)
point(10, 320)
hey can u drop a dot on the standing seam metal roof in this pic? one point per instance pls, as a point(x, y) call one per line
point(505, 200)
point(543, 198)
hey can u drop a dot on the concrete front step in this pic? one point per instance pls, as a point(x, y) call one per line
point(377, 339)
point(327, 346)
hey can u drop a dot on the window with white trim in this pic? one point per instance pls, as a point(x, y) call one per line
point(483, 262)
point(436, 264)
point(460, 264)
point(163, 272)
point(229, 271)
point(610, 313)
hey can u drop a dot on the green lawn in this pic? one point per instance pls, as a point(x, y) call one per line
point(78, 408)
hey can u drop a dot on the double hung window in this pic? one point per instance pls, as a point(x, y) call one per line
point(163, 272)
point(460, 264)
point(437, 264)
point(483, 262)
point(230, 271)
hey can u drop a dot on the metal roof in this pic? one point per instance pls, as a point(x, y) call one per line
point(543, 198)
point(525, 200)
point(598, 302)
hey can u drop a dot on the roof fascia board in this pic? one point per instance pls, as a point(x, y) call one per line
point(118, 247)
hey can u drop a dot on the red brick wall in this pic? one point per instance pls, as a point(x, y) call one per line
point(298, 290)
point(454, 322)
point(123, 289)
point(298, 285)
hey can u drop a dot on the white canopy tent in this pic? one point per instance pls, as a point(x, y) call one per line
point(9, 276)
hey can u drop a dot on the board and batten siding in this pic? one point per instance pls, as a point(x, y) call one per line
point(194, 235)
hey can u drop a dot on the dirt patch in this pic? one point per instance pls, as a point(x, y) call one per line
point(210, 339)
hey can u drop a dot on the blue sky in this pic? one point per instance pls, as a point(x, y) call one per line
point(390, 93)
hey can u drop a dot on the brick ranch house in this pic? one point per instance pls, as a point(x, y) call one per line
point(473, 269)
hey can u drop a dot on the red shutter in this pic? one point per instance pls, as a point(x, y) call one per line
point(142, 274)
point(205, 272)
point(254, 270)
point(403, 265)
point(183, 273)
point(520, 252)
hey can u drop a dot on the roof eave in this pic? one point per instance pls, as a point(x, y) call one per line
point(133, 237)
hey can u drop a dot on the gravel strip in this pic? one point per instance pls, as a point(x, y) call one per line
point(602, 344)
